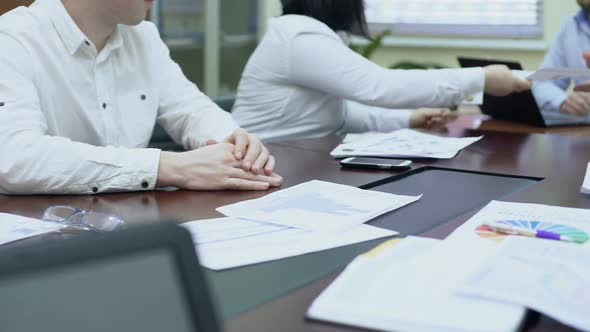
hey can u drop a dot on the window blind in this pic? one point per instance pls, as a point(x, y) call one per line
point(492, 18)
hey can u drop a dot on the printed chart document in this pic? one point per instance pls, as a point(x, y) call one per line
point(545, 74)
point(570, 222)
point(408, 286)
point(551, 277)
point(318, 206)
point(404, 143)
point(586, 184)
point(230, 242)
point(14, 228)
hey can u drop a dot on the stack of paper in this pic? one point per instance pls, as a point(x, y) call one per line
point(409, 286)
point(405, 143)
point(586, 184)
point(476, 280)
point(310, 217)
point(549, 276)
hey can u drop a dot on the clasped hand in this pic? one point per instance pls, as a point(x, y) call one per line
point(241, 162)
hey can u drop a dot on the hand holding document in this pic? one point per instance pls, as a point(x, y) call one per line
point(14, 228)
point(225, 243)
point(404, 143)
point(318, 206)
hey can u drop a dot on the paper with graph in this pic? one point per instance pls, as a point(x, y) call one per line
point(319, 206)
point(404, 143)
point(224, 243)
point(408, 285)
point(551, 277)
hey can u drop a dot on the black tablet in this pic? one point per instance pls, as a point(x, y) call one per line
point(142, 279)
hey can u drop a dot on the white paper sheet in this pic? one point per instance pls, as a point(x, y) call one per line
point(230, 242)
point(524, 74)
point(14, 228)
point(318, 206)
point(404, 143)
point(586, 184)
point(551, 277)
point(558, 73)
point(409, 287)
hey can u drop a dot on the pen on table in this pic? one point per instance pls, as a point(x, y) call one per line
point(515, 230)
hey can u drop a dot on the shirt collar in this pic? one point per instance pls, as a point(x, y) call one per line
point(69, 32)
point(63, 23)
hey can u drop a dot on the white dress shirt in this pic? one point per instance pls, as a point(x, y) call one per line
point(303, 82)
point(74, 121)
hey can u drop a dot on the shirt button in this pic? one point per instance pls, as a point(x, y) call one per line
point(95, 190)
point(104, 106)
point(143, 97)
point(87, 43)
point(1, 103)
point(145, 184)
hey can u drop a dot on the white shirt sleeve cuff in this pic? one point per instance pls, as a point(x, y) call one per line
point(473, 85)
point(138, 172)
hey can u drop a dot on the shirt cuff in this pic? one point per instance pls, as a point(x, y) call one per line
point(473, 85)
point(138, 172)
point(556, 103)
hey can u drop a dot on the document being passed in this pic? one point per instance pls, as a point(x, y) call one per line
point(546, 74)
point(318, 206)
point(404, 143)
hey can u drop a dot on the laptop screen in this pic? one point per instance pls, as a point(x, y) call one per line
point(134, 292)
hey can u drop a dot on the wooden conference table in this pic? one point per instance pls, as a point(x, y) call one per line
point(544, 166)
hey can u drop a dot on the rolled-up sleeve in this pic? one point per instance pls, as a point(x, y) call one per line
point(33, 162)
point(188, 116)
point(550, 95)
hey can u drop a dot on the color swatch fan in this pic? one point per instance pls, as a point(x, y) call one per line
point(577, 235)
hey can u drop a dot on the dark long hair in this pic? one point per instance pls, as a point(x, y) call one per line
point(339, 15)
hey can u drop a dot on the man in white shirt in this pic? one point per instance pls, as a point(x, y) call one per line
point(82, 84)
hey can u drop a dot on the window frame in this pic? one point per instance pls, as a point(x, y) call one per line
point(465, 30)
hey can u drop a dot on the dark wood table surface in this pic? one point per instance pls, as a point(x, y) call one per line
point(558, 156)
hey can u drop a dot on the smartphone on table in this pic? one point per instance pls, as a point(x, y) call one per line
point(379, 163)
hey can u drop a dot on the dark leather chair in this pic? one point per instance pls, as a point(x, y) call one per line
point(161, 140)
